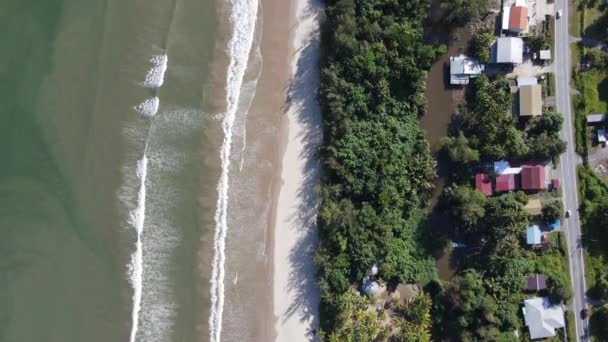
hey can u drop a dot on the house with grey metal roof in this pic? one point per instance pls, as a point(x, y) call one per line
point(542, 317)
point(509, 50)
point(463, 68)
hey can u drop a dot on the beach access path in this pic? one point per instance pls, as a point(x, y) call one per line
point(295, 294)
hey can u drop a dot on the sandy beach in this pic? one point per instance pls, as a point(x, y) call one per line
point(295, 296)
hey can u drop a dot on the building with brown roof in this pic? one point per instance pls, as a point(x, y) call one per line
point(535, 282)
point(518, 19)
point(530, 100)
point(533, 177)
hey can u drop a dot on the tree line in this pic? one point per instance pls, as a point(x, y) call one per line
point(377, 168)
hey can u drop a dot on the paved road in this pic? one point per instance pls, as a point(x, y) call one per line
point(568, 164)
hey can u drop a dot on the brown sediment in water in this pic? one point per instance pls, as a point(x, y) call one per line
point(442, 101)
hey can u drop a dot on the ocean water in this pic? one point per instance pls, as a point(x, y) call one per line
point(104, 112)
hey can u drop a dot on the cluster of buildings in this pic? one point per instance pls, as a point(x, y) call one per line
point(524, 176)
point(542, 318)
point(517, 17)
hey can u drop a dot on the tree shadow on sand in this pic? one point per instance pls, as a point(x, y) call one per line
point(302, 101)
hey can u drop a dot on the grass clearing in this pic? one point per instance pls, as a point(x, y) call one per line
point(595, 23)
point(571, 326)
point(575, 19)
point(594, 86)
point(554, 262)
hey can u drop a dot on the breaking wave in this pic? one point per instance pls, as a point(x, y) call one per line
point(243, 19)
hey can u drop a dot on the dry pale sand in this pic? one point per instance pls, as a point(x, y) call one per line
point(295, 295)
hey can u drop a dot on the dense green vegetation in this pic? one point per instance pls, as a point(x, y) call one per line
point(458, 12)
point(595, 23)
point(407, 321)
point(481, 44)
point(594, 202)
point(377, 165)
point(489, 130)
point(593, 97)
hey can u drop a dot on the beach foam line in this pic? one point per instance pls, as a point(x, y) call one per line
point(243, 19)
point(136, 220)
point(149, 107)
point(156, 74)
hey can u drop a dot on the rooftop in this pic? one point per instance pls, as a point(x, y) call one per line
point(518, 19)
point(533, 235)
point(535, 282)
point(533, 177)
point(505, 182)
point(542, 318)
point(545, 54)
point(502, 167)
point(530, 100)
point(522, 81)
point(593, 118)
point(462, 68)
point(509, 50)
point(483, 183)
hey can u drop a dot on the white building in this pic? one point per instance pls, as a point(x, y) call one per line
point(463, 68)
point(509, 50)
point(542, 318)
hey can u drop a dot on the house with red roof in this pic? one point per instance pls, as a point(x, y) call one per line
point(483, 184)
point(518, 19)
point(533, 177)
point(505, 182)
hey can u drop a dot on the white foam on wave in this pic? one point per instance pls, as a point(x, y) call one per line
point(136, 220)
point(149, 107)
point(156, 74)
point(243, 19)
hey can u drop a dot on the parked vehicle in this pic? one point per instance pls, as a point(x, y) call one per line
point(558, 14)
point(584, 314)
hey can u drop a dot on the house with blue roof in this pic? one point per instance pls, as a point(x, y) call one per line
point(533, 235)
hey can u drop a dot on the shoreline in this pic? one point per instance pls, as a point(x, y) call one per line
point(295, 297)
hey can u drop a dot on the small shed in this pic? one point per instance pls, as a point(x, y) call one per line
point(596, 118)
point(522, 81)
point(533, 235)
point(506, 13)
point(535, 282)
point(545, 55)
point(555, 225)
point(555, 183)
point(601, 135)
point(370, 286)
point(483, 183)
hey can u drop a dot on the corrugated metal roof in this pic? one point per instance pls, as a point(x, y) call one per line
point(530, 100)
